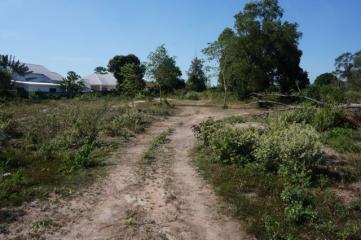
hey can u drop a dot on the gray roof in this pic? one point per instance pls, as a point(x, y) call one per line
point(39, 69)
point(106, 79)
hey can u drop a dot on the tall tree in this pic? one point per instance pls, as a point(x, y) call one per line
point(162, 68)
point(261, 51)
point(116, 63)
point(197, 79)
point(348, 68)
point(132, 83)
point(72, 84)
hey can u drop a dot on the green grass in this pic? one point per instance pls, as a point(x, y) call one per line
point(59, 145)
point(161, 139)
point(254, 197)
point(343, 140)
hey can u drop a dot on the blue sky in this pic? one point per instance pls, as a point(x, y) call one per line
point(81, 34)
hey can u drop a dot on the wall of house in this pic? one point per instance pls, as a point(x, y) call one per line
point(38, 88)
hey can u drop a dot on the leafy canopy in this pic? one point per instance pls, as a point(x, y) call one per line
point(163, 69)
point(117, 62)
point(72, 84)
point(132, 82)
point(197, 80)
point(261, 51)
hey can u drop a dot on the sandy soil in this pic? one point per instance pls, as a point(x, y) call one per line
point(166, 199)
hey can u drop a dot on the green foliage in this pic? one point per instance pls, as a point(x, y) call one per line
point(60, 144)
point(132, 82)
point(9, 66)
point(326, 93)
point(192, 96)
point(328, 117)
point(322, 118)
point(118, 62)
point(9, 62)
point(100, 70)
point(156, 143)
point(5, 80)
point(343, 140)
point(162, 69)
point(326, 79)
point(274, 189)
point(128, 124)
point(206, 129)
point(348, 68)
point(294, 143)
point(262, 51)
point(72, 84)
point(232, 145)
point(197, 80)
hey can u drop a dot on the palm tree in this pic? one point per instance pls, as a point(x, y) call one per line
point(9, 66)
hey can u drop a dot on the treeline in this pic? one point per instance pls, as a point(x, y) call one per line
point(161, 69)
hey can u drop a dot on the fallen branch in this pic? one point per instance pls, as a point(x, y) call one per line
point(289, 96)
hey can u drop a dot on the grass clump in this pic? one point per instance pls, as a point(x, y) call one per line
point(161, 139)
point(344, 140)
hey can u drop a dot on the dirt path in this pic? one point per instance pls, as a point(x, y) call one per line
point(166, 199)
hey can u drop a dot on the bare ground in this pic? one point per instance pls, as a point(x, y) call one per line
point(165, 199)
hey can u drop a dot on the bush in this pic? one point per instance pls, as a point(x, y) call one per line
point(328, 117)
point(232, 145)
point(321, 119)
point(128, 123)
point(292, 143)
point(192, 96)
point(326, 93)
point(205, 129)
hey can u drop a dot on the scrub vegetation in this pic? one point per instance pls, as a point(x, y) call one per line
point(280, 177)
point(57, 145)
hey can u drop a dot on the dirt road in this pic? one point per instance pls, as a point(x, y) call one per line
point(165, 199)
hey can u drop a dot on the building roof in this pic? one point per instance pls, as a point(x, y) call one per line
point(39, 69)
point(106, 79)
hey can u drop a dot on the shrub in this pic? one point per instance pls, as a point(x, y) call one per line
point(321, 119)
point(233, 145)
point(192, 96)
point(304, 114)
point(328, 117)
point(326, 93)
point(205, 129)
point(132, 121)
point(295, 142)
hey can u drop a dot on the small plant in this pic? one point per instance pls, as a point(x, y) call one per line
point(158, 141)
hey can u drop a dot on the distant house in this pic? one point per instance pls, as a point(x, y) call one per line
point(101, 82)
point(39, 79)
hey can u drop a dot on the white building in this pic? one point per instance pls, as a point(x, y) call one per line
point(39, 79)
point(101, 82)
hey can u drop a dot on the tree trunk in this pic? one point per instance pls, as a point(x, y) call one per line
point(225, 87)
point(160, 94)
